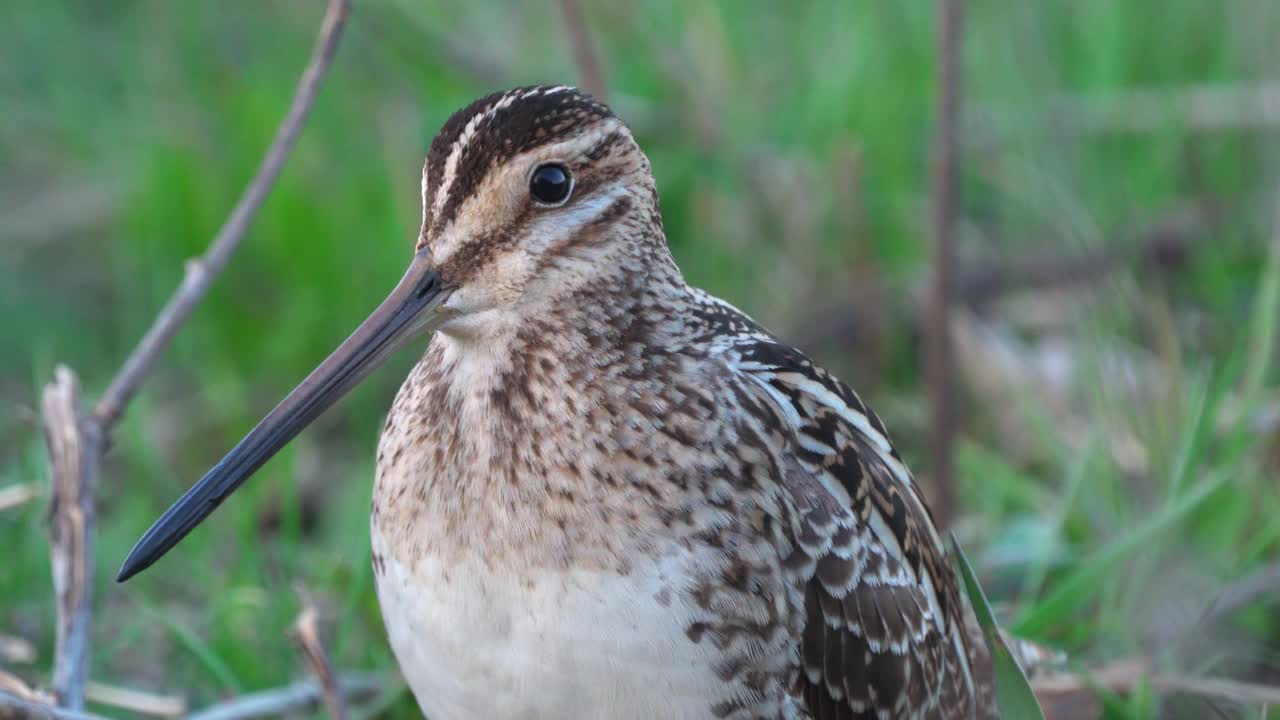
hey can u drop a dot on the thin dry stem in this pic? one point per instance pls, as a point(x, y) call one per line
point(590, 77)
point(76, 442)
point(17, 707)
point(1125, 675)
point(18, 687)
point(137, 702)
point(291, 698)
point(306, 632)
point(13, 496)
point(73, 456)
point(938, 362)
point(201, 272)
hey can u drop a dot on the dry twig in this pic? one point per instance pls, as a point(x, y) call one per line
point(938, 371)
point(74, 446)
point(15, 686)
point(590, 77)
point(137, 701)
point(18, 707)
point(298, 696)
point(76, 442)
point(306, 632)
point(13, 496)
point(1123, 676)
point(201, 272)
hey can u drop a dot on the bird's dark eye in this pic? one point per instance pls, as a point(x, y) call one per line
point(550, 184)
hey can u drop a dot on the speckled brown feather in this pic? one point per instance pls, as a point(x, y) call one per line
point(878, 641)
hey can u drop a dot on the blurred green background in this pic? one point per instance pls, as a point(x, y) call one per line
point(1120, 403)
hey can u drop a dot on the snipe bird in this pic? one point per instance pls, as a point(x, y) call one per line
point(603, 493)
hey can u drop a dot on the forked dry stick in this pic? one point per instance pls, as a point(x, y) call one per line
point(77, 440)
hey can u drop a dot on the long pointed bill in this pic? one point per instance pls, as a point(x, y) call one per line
point(410, 311)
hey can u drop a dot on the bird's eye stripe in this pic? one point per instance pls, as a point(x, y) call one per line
point(495, 129)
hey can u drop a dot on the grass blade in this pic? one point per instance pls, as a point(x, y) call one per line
point(1013, 692)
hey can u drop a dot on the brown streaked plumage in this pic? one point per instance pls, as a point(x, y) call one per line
point(605, 493)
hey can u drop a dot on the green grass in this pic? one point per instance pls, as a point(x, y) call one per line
point(791, 151)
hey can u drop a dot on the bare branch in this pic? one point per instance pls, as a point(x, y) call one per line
point(17, 707)
point(1223, 688)
point(298, 696)
point(137, 701)
point(590, 78)
point(73, 455)
point(13, 496)
point(76, 442)
point(201, 272)
point(938, 362)
point(1125, 675)
point(306, 632)
point(17, 687)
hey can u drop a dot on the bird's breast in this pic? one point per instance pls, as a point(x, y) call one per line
point(556, 546)
point(536, 462)
point(473, 641)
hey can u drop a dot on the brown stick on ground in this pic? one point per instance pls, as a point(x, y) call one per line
point(306, 632)
point(584, 52)
point(1070, 696)
point(938, 362)
point(291, 699)
point(14, 706)
point(74, 446)
point(76, 441)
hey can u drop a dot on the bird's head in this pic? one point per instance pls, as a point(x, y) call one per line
point(528, 197)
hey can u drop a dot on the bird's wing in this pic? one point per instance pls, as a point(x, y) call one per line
point(885, 631)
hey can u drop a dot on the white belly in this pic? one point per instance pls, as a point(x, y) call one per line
point(474, 644)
